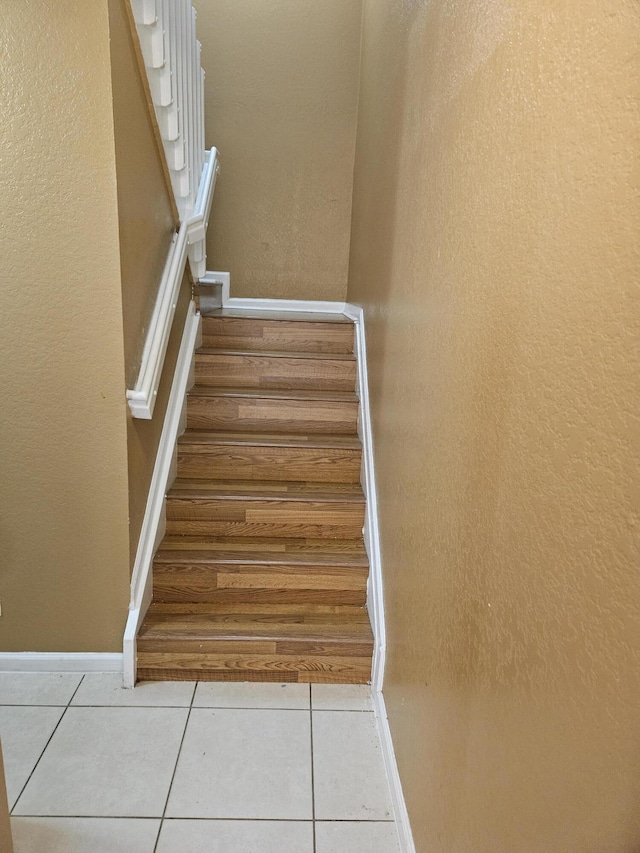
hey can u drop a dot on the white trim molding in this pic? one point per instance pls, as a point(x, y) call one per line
point(152, 529)
point(60, 662)
point(189, 241)
point(375, 600)
point(403, 825)
point(308, 306)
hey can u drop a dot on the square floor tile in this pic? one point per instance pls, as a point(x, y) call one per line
point(244, 764)
point(349, 837)
point(234, 694)
point(348, 771)
point(24, 732)
point(37, 688)
point(105, 688)
point(107, 762)
point(341, 697)
point(235, 836)
point(83, 835)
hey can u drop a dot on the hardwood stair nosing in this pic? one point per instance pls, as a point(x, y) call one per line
point(256, 439)
point(220, 314)
point(206, 392)
point(262, 354)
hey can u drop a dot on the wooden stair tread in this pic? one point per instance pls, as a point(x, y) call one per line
point(261, 558)
point(304, 627)
point(288, 354)
point(252, 490)
point(284, 316)
point(254, 439)
point(267, 548)
point(275, 394)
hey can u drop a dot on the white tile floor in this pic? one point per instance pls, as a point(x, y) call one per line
point(192, 768)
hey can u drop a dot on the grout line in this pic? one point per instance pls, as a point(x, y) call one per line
point(175, 767)
point(313, 790)
point(33, 770)
point(208, 819)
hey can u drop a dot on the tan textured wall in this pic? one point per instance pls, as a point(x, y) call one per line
point(495, 248)
point(281, 99)
point(146, 225)
point(63, 502)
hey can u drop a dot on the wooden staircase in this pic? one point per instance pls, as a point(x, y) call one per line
point(262, 574)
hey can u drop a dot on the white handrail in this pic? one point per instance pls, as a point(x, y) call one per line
point(188, 242)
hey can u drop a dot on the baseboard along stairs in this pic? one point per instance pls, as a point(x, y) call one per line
point(262, 573)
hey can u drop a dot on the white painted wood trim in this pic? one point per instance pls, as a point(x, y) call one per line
point(303, 305)
point(375, 599)
point(60, 662)
point(403, 825)
point(153, 523)
point(309, 306)
point(199, 220)
point(142, 397)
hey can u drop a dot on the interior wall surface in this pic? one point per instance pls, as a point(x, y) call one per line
point(146, 227)
point(281, 95)
point(63, 504)
point(495, 251)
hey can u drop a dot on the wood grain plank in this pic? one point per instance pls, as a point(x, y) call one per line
point(282, 415)
point(224, 369)
point(269, 462)
point(260, 333)
point(258, 608)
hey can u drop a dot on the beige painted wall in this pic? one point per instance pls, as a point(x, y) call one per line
point(281, 99)
point(495, 249)
point(146, 225)
point(63, 502)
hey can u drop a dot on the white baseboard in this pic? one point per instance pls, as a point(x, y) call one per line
point(375, 601)
point(60, 662)
point(307, 306)
point(152, 524)
point(403, 826)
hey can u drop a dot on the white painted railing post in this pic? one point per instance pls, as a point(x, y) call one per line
point(171, 51)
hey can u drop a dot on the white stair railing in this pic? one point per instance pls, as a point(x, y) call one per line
point(167, 33)
point(171, 53)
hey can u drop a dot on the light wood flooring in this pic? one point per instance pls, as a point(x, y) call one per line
point(262, 574)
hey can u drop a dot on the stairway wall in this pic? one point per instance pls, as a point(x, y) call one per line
point(64, 550)
point(494, 248)
point(281, 100)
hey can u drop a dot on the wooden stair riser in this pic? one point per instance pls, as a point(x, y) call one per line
point(258, 608)
point(255, 414)
point(268, 518)
point(236, 666)
point(248, 370)
point(242, 333)
point(244, 584)
point(303, 648)
point(246, 462)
